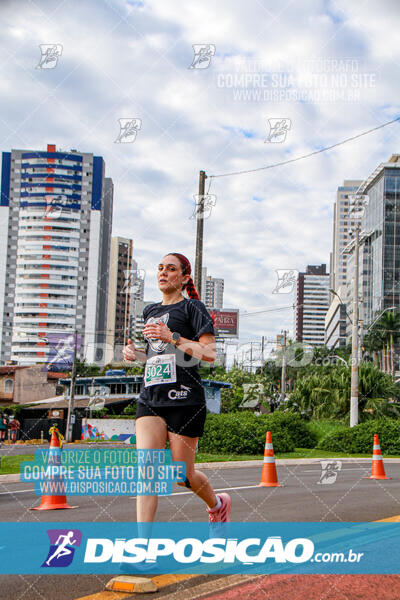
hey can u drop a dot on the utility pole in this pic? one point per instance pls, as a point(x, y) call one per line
point(360, 330)
point(262, 355)
point(251, 357)
point(69, 428)
point(354, 340)
point(199, 235)
point(283, 375)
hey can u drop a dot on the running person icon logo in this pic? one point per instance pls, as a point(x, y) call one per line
point(62, 547)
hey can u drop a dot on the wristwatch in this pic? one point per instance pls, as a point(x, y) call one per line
point(175, 338)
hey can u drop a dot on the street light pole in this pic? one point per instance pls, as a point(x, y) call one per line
point(68, 433)
point(199, 235)
point(354, 340)
point(283, 375)
point(262, 355)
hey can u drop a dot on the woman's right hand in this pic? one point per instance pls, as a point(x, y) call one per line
point(129, 351)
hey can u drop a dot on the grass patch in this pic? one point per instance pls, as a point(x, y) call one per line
point(298, 453)
point(315, 453)
point(10, 464)
point(204, 457)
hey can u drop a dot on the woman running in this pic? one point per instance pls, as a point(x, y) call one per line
point(179, 333)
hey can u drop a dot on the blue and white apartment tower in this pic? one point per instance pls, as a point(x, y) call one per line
point(55, 236)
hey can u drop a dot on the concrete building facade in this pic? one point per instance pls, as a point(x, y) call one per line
point(119, 294)
point(312, 296)
point(342, 223)
point(212, 290)
point(55, 235)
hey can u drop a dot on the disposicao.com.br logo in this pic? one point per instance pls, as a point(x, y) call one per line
point(193, 550)
point(192, 547)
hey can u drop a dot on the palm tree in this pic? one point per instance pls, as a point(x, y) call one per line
point(374, 342)
point(389, 327)
point(325, 393)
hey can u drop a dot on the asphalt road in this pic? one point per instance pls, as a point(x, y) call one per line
point(350, 498)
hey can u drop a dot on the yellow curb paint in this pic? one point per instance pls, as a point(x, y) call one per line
point(169, 579)
point(105, 595)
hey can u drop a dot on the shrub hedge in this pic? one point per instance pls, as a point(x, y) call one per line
point(359, 439)
point(244, 433)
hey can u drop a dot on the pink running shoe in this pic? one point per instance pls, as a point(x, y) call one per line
point(222, 515)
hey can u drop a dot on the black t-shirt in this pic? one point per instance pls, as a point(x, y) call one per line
point(191, 319)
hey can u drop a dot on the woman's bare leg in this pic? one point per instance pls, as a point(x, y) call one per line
point(151, 434)
point(183, 449)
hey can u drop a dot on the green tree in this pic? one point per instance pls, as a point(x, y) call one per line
point(83, 369)
point(324, 392)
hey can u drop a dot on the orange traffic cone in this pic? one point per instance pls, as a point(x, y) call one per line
point(54, 462)
point(269, 477)
point(378, 470)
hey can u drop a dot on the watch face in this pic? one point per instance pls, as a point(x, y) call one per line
point(176, 336)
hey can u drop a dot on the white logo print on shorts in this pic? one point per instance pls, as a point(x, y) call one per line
point(155, 344)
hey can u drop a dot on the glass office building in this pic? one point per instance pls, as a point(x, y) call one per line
point(379, 260)
point(381, 252)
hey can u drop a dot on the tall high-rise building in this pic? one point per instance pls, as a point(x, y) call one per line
point(137, 322)
point(119, 294)
point(137, 282)
point(379, 259)
point(336, 320)
point(212, 291)
point(312, 305)
point(342, 223)
point(55, 220)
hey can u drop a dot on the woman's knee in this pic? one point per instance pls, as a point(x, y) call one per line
point(187, 482)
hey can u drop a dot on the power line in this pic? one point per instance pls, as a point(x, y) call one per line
point(286, 162)
point(258, 312)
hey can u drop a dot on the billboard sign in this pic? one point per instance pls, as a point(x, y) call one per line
point(226, 322)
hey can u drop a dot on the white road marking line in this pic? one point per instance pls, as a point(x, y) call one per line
point(242, 487)
point(366, 468)
point(17, 492)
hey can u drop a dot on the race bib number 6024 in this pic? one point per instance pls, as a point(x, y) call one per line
point(160, 369)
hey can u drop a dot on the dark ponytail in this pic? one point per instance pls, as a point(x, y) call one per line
point(191, 290)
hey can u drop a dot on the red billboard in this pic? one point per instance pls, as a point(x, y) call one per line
point(226, 322)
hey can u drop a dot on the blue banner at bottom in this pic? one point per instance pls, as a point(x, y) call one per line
point(182, 547)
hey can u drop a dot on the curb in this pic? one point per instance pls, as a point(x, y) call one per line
point(286, 462)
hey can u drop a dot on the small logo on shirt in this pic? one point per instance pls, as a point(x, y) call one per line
point(155, 344)
point(179, 394)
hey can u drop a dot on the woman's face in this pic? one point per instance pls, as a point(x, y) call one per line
point(169, 275)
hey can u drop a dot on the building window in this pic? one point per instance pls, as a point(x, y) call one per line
point(8, 386)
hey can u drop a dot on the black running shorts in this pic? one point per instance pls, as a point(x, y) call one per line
point(184, 420)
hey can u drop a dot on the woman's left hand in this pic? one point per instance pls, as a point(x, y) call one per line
point(158, 331)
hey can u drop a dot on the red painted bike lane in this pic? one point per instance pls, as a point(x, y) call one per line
point(314, 587)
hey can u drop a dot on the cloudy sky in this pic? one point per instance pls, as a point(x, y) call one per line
point(325, 70)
